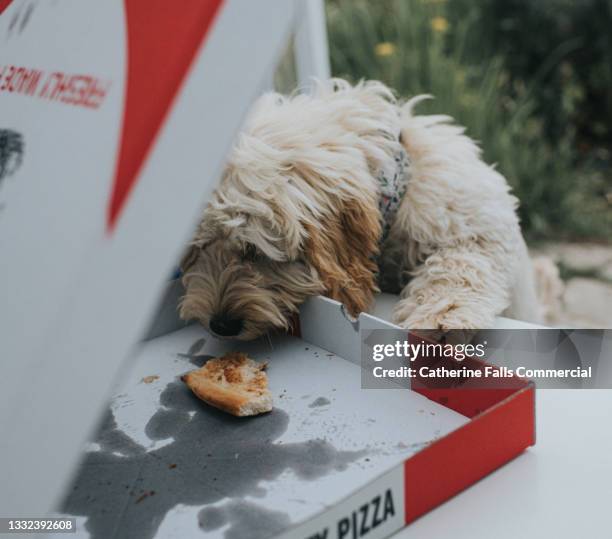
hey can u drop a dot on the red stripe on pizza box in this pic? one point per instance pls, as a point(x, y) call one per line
point(162, 40)
point(502, 412)
point(468, 397)
point(4, 4)
point(496, 434)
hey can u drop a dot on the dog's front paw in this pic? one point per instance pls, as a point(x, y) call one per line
point(446, 319)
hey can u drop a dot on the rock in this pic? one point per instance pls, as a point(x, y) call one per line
point(587, 304)
point(587, 301)
point(606, 272)
point(580, 256)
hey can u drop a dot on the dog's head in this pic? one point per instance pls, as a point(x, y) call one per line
point(295, 215)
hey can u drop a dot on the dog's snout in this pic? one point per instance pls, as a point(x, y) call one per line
point(226, 326)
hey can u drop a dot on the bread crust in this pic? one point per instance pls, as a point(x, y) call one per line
point(232, 383)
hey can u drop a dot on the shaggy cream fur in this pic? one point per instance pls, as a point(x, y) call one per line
point(296, 214)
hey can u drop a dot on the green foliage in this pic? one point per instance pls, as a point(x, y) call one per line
point(419, 46)
point(576, 87)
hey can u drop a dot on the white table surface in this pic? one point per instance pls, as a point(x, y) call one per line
point(560, 488)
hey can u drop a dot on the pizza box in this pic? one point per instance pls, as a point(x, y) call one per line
point(332, 460)
point(115, 146)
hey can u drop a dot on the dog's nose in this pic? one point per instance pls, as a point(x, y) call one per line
point(225, 326)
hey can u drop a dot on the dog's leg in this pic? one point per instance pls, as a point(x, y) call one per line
point(461, 287)
point(461, 218)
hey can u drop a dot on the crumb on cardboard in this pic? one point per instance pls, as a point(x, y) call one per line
point(150, 379)
point(145, 495)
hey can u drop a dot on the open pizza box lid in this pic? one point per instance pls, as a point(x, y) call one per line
point(120, 142)
point(115, 119)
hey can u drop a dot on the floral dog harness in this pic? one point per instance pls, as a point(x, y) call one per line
point(393, 182)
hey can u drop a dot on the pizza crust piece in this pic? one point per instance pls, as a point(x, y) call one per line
point(233, 383)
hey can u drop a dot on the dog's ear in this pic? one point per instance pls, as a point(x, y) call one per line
point(343, 250)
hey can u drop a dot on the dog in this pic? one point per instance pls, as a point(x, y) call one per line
point(344, 191)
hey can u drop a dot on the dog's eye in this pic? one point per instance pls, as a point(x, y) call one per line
point(250, 253)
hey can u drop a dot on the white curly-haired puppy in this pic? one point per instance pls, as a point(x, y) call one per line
point(344, 191)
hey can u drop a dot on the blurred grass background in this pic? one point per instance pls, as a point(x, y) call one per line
point(531, 81)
